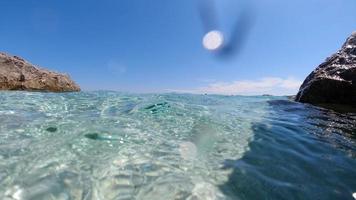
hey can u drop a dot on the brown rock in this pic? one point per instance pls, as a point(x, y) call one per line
point(18, 74)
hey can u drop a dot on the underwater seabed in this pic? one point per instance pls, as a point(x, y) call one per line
point(110, 145)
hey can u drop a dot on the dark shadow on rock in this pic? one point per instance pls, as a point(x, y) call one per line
point(298, 152)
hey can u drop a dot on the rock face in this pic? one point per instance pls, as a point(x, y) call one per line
point(334, 81)
point(18, 74)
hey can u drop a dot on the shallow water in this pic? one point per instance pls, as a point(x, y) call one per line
point(109, 145)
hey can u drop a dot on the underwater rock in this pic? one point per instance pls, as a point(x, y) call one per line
point(333, 81)
point(102, 136)
point(51, 129)
point(93, 136)
point(157, 107)
point(18, 74)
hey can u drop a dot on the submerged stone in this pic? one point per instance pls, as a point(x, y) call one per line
point(51, 129)
point(93, 136)
point(150, 107)
point(98, 136)
point(157, 107)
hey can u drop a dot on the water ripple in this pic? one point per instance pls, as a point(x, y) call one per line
point(110, 145)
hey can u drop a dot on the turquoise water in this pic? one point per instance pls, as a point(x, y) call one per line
point(109, 145)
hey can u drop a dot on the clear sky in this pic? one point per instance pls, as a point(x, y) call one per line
point(156, 46)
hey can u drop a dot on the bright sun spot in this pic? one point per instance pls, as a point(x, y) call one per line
point(213, 40)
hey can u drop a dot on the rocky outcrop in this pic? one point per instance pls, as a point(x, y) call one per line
point(18, 74)
point(334, 81)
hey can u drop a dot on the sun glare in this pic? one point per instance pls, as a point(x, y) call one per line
point(213, 40)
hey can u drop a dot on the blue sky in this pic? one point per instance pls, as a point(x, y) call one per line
point(156, 46)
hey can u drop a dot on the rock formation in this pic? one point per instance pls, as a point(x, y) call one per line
point(333, 81)
point(18, 74)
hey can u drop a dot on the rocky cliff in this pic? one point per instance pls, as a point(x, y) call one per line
point(333, 81)
point(18, 74)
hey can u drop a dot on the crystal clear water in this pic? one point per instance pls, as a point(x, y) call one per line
point(109, 145)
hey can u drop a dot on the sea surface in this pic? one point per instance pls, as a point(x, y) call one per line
point(109, 145)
